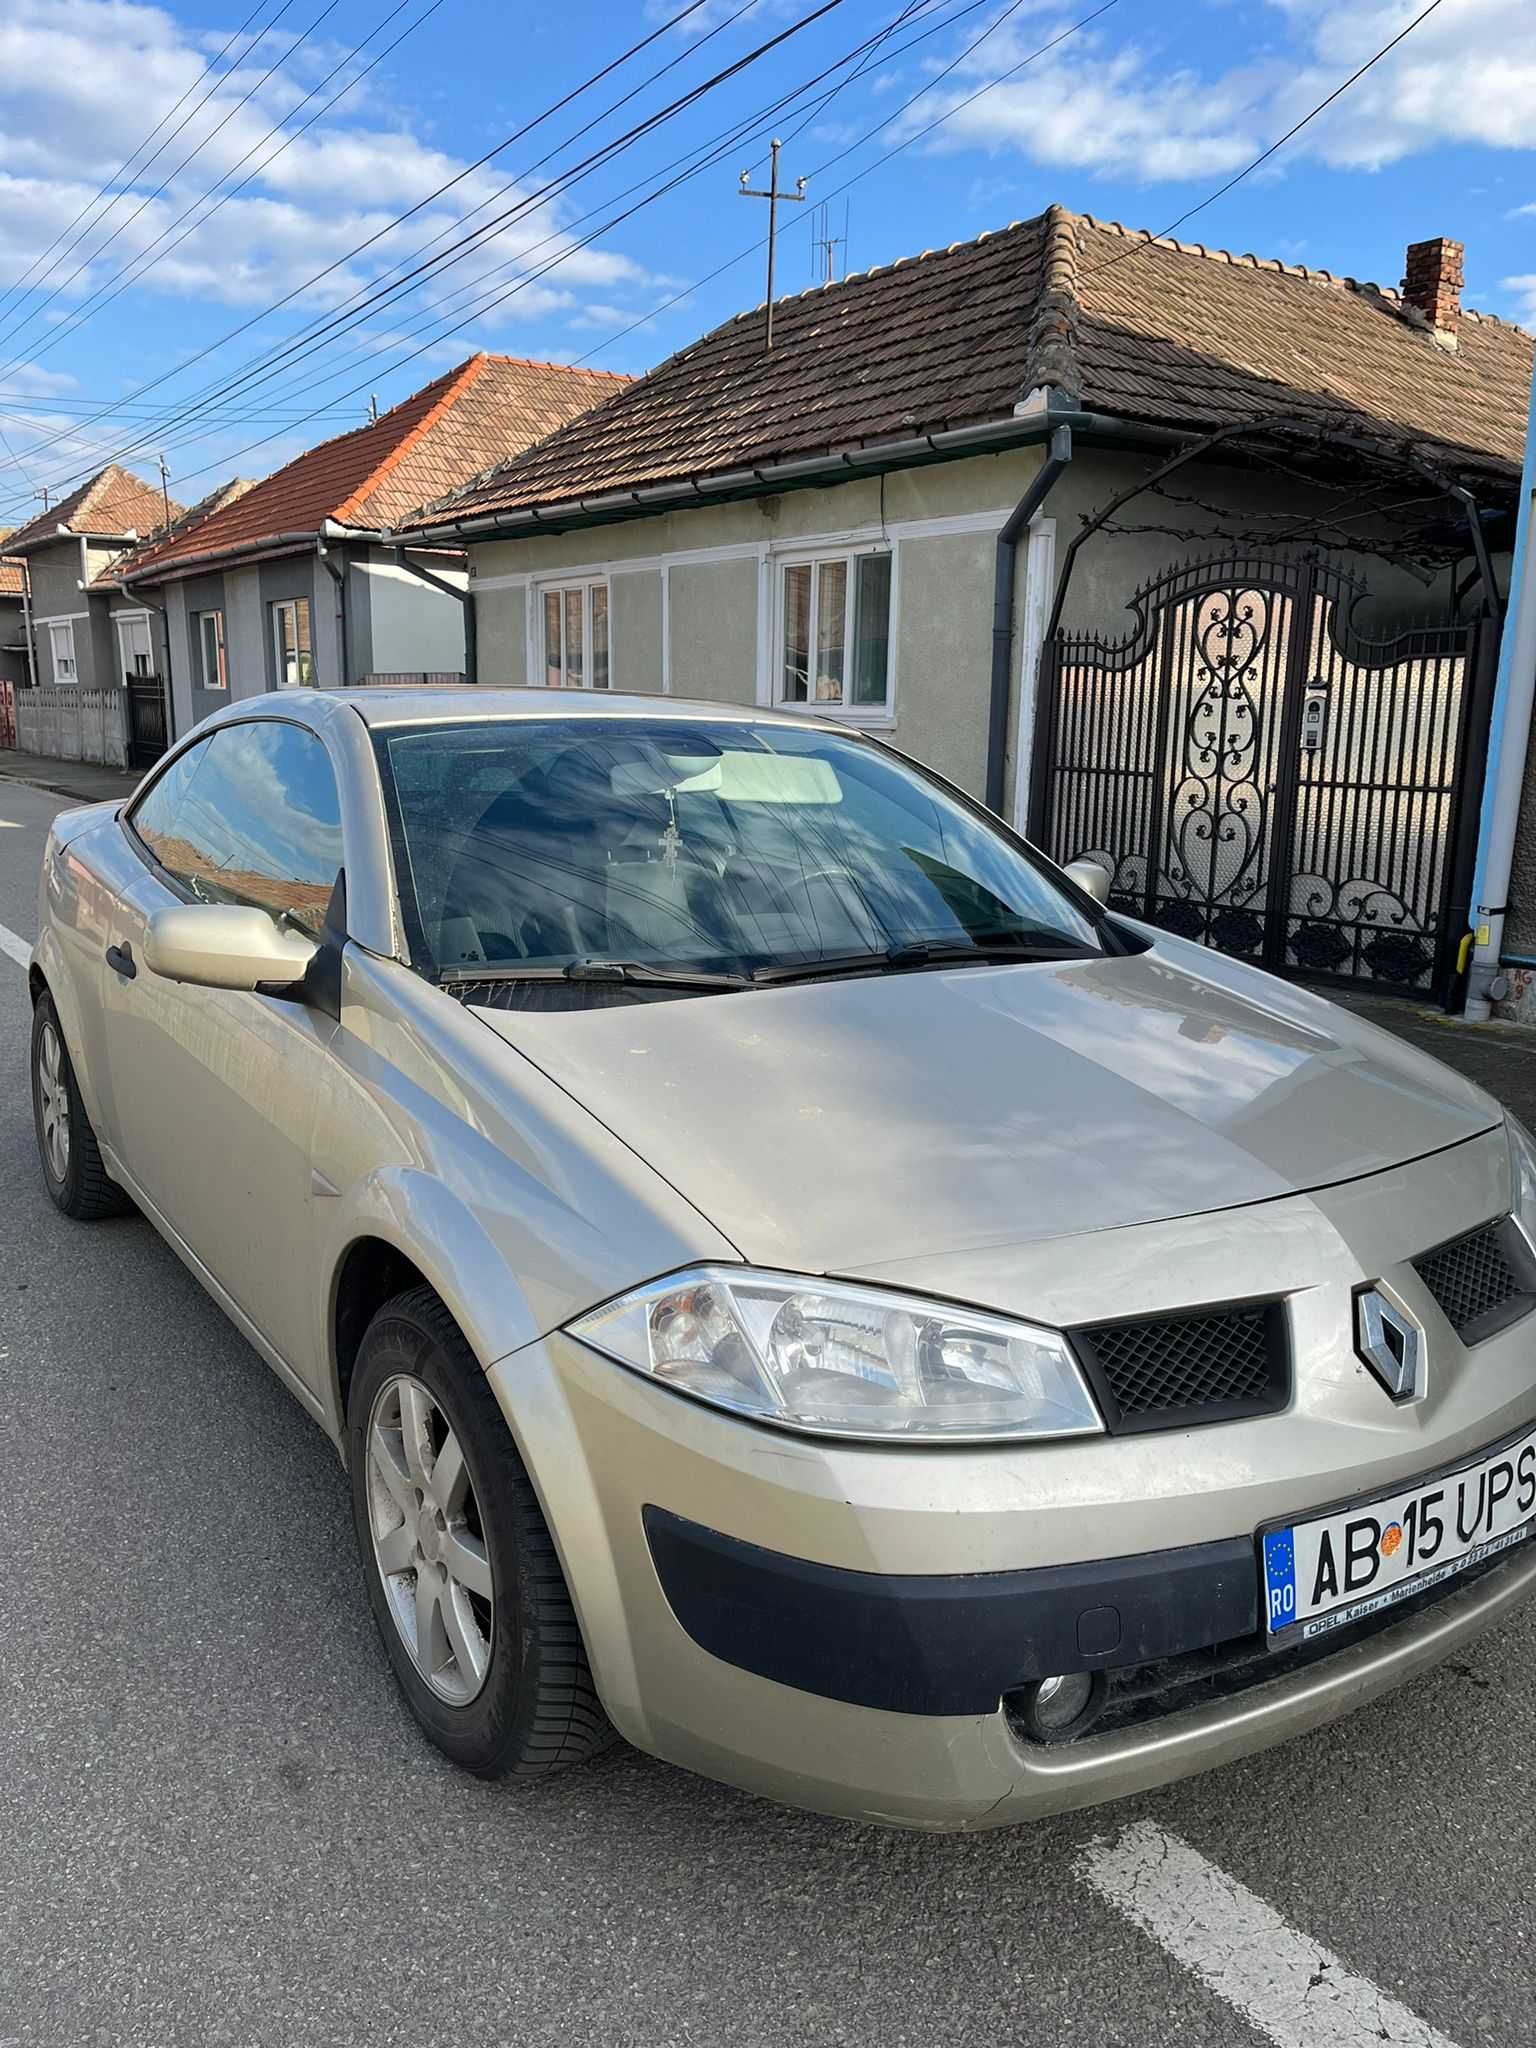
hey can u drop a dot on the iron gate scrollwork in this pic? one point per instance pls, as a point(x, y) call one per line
point(1259, 776)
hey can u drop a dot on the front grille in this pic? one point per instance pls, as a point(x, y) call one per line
point(1475, 1287)
point(1171, 1371)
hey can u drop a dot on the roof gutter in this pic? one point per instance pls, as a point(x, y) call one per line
point(180, 565)
point(836, 467)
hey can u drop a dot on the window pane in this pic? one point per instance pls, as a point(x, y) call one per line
point(259, 823)
point(693, 842)
point(573, 640)
point(599, 636)
point(831, 630)
point(552, 639)
point(797, 631)
point(161, 816)
point(306, 659)
point(871, 629)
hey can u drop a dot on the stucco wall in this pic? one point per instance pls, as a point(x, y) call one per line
point(634, 630)
point(695, 623)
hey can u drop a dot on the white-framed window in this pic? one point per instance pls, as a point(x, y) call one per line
point(61, 640)
point(134, 656)
point(834, 630)
point(573, 634)
point(292, 644)
point(212, 661)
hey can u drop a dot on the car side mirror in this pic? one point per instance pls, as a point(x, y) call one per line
point(1091, 877)
point(225, 945)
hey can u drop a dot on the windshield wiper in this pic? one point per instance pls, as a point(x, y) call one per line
point(923, 953)
point(633, 972)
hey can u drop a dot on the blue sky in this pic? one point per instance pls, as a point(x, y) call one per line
point(117, 345)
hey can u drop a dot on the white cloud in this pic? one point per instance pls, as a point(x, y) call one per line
point(1524, 292)
point(1468, 74)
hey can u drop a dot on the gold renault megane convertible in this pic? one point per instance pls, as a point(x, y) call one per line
point(794, 1278)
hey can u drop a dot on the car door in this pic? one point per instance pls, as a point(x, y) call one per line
point(215, 1091)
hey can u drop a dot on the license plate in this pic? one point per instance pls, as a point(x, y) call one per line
point(1335, 1568)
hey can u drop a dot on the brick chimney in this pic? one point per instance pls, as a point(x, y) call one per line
point(1433, 285)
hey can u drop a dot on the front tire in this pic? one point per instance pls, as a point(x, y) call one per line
point(73, 1171)
point(461, 1572)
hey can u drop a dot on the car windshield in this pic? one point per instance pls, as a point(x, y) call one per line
point(732, 848)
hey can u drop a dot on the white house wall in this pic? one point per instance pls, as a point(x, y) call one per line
point(409, 625)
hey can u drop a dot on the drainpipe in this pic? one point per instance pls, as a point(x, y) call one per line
point(1508, 736)
point(339, 578)
point(26, 619)
point(466, 598)
point(1003, 580)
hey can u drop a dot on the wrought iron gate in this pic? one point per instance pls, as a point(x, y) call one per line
point(147, 736)
point(1257, 775)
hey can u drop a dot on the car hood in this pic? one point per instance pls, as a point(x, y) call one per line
point(835, 1126)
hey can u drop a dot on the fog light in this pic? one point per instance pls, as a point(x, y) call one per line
point(1061, 1708)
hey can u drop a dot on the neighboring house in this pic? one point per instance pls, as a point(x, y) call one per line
point(873, 520)
point(297, 580)
point(79, 636)
point(13, 620)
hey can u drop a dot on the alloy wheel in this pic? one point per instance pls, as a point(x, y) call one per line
point(53, 1100)
point(429, 1541)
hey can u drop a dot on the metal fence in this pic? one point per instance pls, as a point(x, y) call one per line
point(7, 712)
point(71, 722)
point(443, 677)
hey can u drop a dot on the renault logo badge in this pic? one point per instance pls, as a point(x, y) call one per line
point(1390, 1342)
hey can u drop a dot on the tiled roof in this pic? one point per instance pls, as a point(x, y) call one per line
point(222, 495)
point(12, 572)
point(1171, 334)
point(480, 413)
point(111, 504)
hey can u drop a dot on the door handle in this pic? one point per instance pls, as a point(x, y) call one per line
point(120, 960)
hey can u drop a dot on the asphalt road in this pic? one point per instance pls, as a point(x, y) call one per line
point(217, 1824)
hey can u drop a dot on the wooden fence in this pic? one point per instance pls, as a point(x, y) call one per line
point(70, 722)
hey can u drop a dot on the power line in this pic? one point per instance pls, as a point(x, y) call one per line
point(17, 326)
point(350, 255)
point(922, 93)
point(137, 265)
point(1264, 156)
point(616, 220)
point(128, 161)
point(455, 252)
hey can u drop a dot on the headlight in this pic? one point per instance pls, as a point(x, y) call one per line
point(1522, 1175)
point(844, 1361)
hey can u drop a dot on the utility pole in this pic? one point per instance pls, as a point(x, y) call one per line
point(373, 408)
point(773, 195)
point(165, 487)
point(44, 495)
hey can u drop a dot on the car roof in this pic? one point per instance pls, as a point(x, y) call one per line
point(387, 704)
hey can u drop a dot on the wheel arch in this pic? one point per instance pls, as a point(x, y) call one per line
point(408, 1229)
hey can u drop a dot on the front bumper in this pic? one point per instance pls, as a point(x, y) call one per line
point(887, 1719)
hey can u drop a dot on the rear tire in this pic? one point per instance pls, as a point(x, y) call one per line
point(76, 1179)
point(461, 1571)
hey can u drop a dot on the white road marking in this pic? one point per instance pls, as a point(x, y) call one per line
point(9, 825)
point(19, 949)
point(1297, 1993)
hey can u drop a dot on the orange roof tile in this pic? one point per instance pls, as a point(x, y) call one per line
point(112, 504)
point(472, 416)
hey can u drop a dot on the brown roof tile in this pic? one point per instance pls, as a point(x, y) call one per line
point(222, 495)
point(111, 504)
point(11, 575)
point(474, 415)
point(1172, 334)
